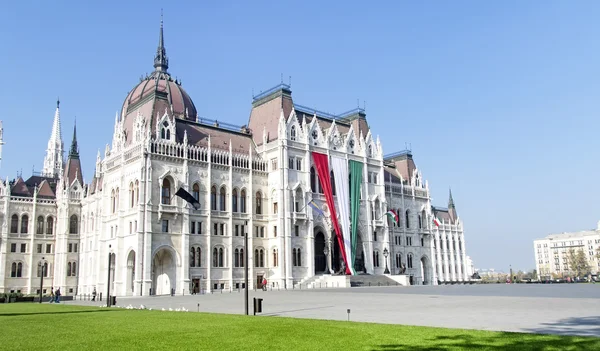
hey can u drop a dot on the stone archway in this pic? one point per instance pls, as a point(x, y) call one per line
point(336, 256)
point(425, 270)
point(130, 273)
point(163, 272)
point(320, 258)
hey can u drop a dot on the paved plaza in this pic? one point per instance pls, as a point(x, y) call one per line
point(567, 309)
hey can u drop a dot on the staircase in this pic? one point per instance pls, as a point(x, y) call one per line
point(372, 280)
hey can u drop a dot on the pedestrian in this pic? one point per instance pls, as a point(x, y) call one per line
point(264, 284)
point(51, 294)
point(57, 295)
point(94, 294)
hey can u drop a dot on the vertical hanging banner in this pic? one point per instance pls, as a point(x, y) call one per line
point(322, 164)
point(356, 175)
point(340, 173)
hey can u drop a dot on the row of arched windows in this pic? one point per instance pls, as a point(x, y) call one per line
point(296, 257)
point(49, 225)
point(49, 221)
point(421, 219)
point(218, 258)
point(134, 194)
point(14, 223)
point(409, 260)
point(72, 269)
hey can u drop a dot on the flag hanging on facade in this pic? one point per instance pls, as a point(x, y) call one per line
point(189, 198)
point(393, 216)
point(436, 221)
point(315, 207)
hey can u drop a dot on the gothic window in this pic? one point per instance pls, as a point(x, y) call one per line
point(375, 258)
point(73, 225)
point(258, 202)
point(14, 224)
point(370, 151)
point(420, 224)
point(409, 261)
point(40, 225)
point(259, 258)
point(199, 257)
point(196, 192)
point(221, 254)
point(293, 133)
point(50, 224)
point(298, 200)
point(406, 220)
point(275, 258)
point(113, 203)
point(243, 201)
point(215, 257)
point(131, 195)
point(313, 180)
point(68, 270)
point(296, 258)
point(222, 199)
point(351, 143)
point(398, 260)
point(192, 257)
point(213, 198)
point(236, 258)
point(315, 135)
point(166, 192)
point(332, 183)
point(73, 269)
point(294, 263)
point(24, 223)
point(424, 218)
point(234, 201)
point(165, 132)
point(137, 191)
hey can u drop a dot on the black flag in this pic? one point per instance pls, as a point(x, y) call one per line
point(188, 197)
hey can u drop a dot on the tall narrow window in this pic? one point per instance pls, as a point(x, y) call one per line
point(258, 203)
point(294, 264)
point(131, 195)
point(14, 224)
point(236, 258)
point(50, 225)
point(13, 270)
point(199, 257)
point(221, 254)
point(166, 192)
point(196, 192)
point(406, 219)
point(243, 201)
point(40, 225)
point(213, 198)
point(313, 180)
point(241, 257)
point(222, 199)
point(293, 133)
point(215, 257)
point(73, 225)
point(234, 201)
point(20, 269)
point(24, 223)
point(299, 258)
point(192, 257)
point(332, 182)
point(275, 258)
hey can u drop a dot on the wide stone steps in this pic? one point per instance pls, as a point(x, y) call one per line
point(371, 280)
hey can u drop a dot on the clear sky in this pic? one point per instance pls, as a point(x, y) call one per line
point(498, 100)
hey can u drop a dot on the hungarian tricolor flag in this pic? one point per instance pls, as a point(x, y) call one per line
point(393, 215)
point(436, 222)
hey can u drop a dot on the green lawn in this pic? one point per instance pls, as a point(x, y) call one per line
point(31, 326)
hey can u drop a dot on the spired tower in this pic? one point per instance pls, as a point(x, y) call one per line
point(53, 162)
point(1, 141)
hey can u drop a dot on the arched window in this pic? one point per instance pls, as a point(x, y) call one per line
point(192, 257)
point(13, 270)
point(313, 180)
point(24, 223)
point(199, 257)
point(332, 182)
point(370, 151)
point(50, 224)
point(299, 258)
point(259, 258)
point(215, 257)
point(234, 201)
point(137, 192)
point(406, 219)
point(243, 201)
point(166, 192)
point(424, 218)
point(68, 270)
point(222, 199)
point(73, 225)
point(221, 257)
point(213, 198)
point(409, 261)
point(113, 201)
point(131, 195)
point(236, 258)
point(419, 219)
point(275, 258)
point(241, 257)
point(165, 132)
point(258, 202)
point(20, 269)
point(40, 225)
point(14, 224)
point(73, 269)
point(294, 263)
point(196, 192)
point(298, 200)
point(293, 133)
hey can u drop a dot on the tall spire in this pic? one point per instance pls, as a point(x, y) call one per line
point(53, 162)
point(451, 200)
point(74, 152)
point(161, 62)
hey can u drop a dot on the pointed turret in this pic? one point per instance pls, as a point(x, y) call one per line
point(73, 167)
point(161, 62)
point(1, 140)
point(451, 207)
point(53, 162)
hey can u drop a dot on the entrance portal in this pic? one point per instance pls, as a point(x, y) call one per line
point(320, 260)
point(336, 258)
point(163, 272)
point(130, 273)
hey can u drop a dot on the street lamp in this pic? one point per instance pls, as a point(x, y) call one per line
point(385, 254)
point(108, 280)
point(326, 253)
point(41, 270)
point(246, 267)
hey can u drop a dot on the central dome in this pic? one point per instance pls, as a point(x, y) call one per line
point(158, 91)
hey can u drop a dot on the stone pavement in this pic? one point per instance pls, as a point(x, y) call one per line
point(568, 309)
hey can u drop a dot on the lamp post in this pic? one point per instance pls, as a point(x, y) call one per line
point(385, 254)
point(326, 253)
point(41, 265)
point(246, 267)
point(108, 280)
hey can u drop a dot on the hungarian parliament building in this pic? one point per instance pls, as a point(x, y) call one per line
point(312, 192)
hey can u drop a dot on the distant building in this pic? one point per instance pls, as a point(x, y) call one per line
point(551, 252)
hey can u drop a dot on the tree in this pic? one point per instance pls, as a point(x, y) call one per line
point(578, 262)
point(534, 275)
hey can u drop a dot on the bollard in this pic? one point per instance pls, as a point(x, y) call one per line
point(257, 305)
point(198, 307)
point(100, 296)
point(172, 292)
point(348, 311)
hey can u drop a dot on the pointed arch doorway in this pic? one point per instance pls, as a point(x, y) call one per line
point(163, 272)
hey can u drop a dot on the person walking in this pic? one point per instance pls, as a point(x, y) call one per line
point(264, 284)
point(94, 294)
point(52, 295)
point(57, 295)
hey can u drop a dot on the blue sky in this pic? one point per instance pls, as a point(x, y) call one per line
point(498, 100)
